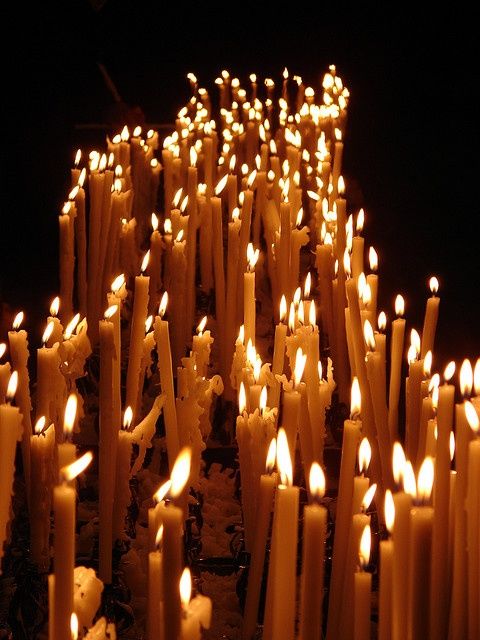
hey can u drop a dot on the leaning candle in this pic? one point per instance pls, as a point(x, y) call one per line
point(10, 433)
point(420, 547)
point(472, 507)
point(431, 318)
point(266, 489)
point(386, 566)
point(363, 590)
point(314, 532)
point(64, 546)
point(18, 341)
point(162, 340)
point(281, 589)
point(396, 351)
point(351, 436)
point(139, 316)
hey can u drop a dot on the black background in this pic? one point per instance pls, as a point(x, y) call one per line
point(411, 144)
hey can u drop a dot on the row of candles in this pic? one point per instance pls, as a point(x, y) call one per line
point(259, 184)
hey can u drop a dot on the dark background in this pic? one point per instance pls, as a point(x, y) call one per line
point(411, 144)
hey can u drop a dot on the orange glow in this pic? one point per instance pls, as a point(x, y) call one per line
point(373, 259)
point(364, 455)
point(398, 462)
point(466, 378)
point(186, 587)
point(271, 456)
point(365, 547)
point(389, 511)
point(471, 415)
point(399, 305)
point(355, 400)
point(284, 461)
point(180, 472)
point(425, 479)
point(17, 321)
point(433, 284)
point(12, 386)
point(48, 332)
point(449, 371)
point(317, 481)
point(71, 471)
point(162, 491)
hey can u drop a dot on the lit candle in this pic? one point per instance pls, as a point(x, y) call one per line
point(372, 281)
point(5, 372)
point(219, 276)
point(155, 263)
point(363, 590)
point(197, 613)
point(439, 589)
point(201, 346)
point(351, 436)
point(64, 546)
point(122, 477)
point(66, 256)
point(162, 340)
point(78, 195)
point(314, 533)
point(396, 355)
point(431, 318)
point(472, 507)
point(278, 354)
point(48, 374)
point(137, 332)
point(249, 294)
point(386, 568)
point(420, 557)
point(10, 433)
point(281, 588)
point(266, 489)
point(154, 621)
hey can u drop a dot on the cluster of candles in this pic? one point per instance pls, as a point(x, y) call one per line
point(235, 194)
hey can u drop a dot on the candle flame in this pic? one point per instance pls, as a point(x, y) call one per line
point(300, 361)
point(283, 308)
point(148, 323)
point(368, 497)
point(162, 491)
point(3, 348)
point(78, 157)
point(81, 179)
point(347, 263)
point(118, 283)
point(451, 443)
point(184, 204)
point(409, 484)
point(125, 134)
point(427, 364)
point(159, 536)
point(284, 461)
point(308, 285)
point(263, 398)
point(201, 325)
point(40, 425)
point(111, 311)
point(411, 354)
point(382, 321)
point(70, 414)
point(154, 221)
point(297, 296)
point(12, 386)
point(366, 294)
point(389, 511)
point(291, 317)
point(145, 260)
point(163, 304)
point(433, 284)
point(364, 455)
point(185, 587)
point(373, 259)
point(66, 208)
point(338, 134)
point(74, 192)
point(301, 313)
point(449, 371)
point(252, 256)
point(271, 456)
point(317, 481)
point(17, 321)
point(466, 378)
point(361, 284)
point(241, 334)
point(476, 377)
point(48, 332)
point(74, 626)
point(415, 340)
point(369, 335)
point(167, 226)
point(71, 471)
point(71, 326)
point(127, 418)
point(341, 186)
point(180, 472)
point(365, 547)
point(355, 400)
point(257, 367)
point(320, 370)
point(251, 179)
point(425, 479)
point(398, 462)
point(55, 306)
point(471, 415)
point(434, 382)
point(360, 221)
point(193, 157)
point(312, 314)
point(299, 219)
point(435, 397)
point(399, 305)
